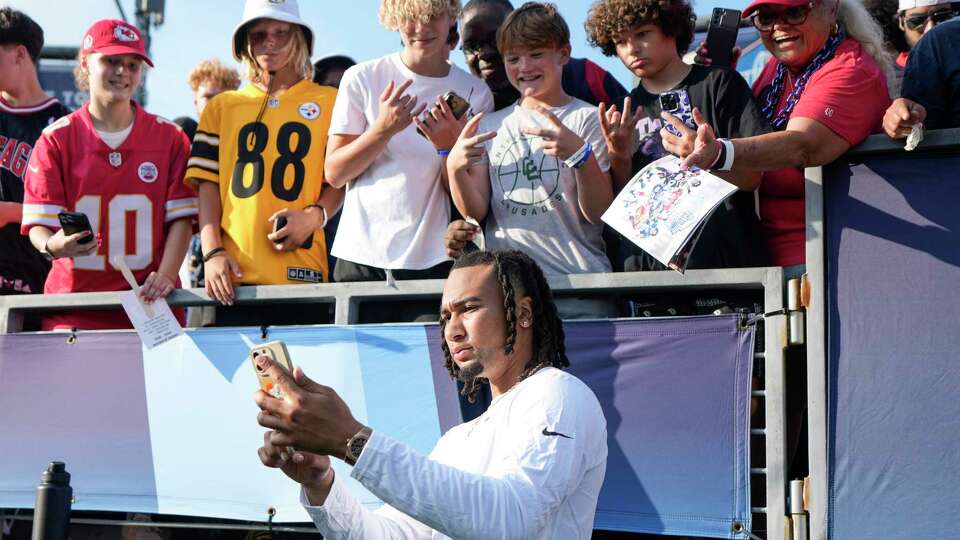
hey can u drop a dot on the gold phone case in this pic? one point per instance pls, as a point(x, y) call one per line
point(457, 104)
point(276, 351)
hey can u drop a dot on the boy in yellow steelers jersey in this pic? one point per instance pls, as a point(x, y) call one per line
point(257, 161)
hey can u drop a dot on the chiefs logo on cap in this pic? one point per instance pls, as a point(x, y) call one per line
point(125, 33)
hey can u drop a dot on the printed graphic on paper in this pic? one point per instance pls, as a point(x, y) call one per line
point(662, 207)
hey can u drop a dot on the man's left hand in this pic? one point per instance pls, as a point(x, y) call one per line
point(309, 417)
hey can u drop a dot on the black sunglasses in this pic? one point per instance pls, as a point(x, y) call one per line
point(764, 19)
point(916, 22)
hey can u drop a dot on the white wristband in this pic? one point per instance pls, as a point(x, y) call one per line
point(575, 158)
point(728, 155)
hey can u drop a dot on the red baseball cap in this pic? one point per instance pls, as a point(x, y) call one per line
point(111, 37)
point(785, 3)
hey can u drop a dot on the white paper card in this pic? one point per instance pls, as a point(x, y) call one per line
point(159, 328)
point(478, 239)
point(662, 207)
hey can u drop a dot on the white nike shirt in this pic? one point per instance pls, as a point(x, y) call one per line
point(530, 467)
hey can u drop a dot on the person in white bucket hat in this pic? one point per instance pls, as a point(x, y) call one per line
point(258, 161)
point(287, 11)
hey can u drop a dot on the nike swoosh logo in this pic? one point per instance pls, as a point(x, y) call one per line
point(34, 169)
point(555, 434)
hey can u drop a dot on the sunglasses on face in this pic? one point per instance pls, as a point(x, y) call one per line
point(764, 19)
point(916, 22)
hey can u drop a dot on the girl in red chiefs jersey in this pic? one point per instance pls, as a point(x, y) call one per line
point(120, 166)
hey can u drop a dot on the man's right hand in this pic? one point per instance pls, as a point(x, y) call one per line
point(396, 109)
point(61, 245)
point(219, 272)
point(901, 116)
point(459, 232)
point(310, 470)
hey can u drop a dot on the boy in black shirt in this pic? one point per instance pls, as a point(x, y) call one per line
point(25, 110)
point(649, 37)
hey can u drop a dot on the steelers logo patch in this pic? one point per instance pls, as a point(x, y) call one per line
point(310, 110)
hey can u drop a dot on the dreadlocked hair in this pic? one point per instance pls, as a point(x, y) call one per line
point(517, 273)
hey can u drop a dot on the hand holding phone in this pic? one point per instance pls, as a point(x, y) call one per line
point(75, 222)
point(722, 36)
point(437, 118)
point(280, 223)
point(677, 103)
point(276, 351)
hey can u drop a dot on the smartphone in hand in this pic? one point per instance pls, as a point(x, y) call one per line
point(281, 222)
point(677, 103)
point(276, 351)
point(75, 222)
point(722, 36)
point(457, 104)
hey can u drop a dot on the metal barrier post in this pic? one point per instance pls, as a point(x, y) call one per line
point(816, 358)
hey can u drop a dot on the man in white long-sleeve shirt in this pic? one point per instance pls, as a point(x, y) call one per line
point(530, 467)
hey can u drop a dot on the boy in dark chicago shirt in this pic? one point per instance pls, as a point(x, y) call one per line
point(649, 37)
point(25, 110)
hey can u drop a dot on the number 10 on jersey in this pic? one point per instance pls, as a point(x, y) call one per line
point(120, 208)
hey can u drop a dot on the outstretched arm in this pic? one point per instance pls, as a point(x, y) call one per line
point(530, 481)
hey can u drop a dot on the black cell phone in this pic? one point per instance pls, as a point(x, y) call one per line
point(722, 36)
point(457, 104)
point(281, 222)
point(677, 103)
point(74, 222)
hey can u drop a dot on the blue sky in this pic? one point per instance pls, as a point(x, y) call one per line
point(194, 30)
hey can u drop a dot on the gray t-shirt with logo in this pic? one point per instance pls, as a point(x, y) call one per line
point(533, 200)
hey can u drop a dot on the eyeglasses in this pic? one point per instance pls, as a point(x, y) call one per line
point(764, 19)
point(916, 22)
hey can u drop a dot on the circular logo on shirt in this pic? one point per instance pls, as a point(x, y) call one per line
point(273, 103)
point(147, 172)
point(828, 112)
point(527, 177)
point(310, 110)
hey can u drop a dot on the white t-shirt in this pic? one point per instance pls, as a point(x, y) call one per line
point(531, 466)
point(114, 139)
point(533, 197)
point(396, 212)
